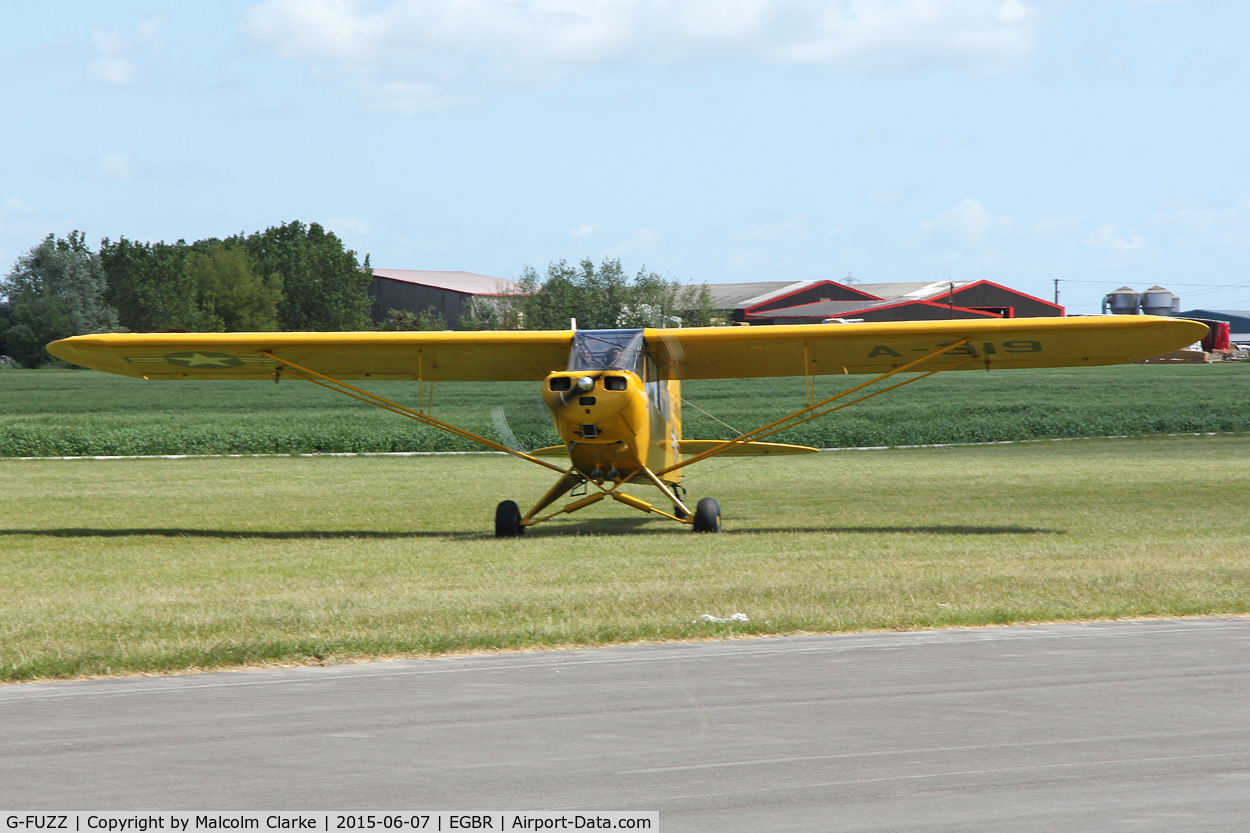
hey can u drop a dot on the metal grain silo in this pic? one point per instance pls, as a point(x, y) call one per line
point(1158, 301)
point(1121, 302)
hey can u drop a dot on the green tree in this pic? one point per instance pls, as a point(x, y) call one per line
point(56, 290)
point(483, 314)
point(594, 296)
point(605, 298)
point(229, 295)
point(149, 286)
point(324, 287)
point(406, 319)
point(696, 307)
point(6, 321)
point(657, 302)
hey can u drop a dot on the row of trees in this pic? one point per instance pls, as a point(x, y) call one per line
point(292, 277)
point(598, 297)
point(606, 297)
point(289, 277)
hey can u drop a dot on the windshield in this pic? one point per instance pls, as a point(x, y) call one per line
point(606, 350)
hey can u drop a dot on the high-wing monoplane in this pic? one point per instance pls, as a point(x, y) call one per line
point(615, 395)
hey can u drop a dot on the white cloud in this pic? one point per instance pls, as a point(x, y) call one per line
point(114, 71)
point(796, 228)
point(966, 223)
point(1202, 224)
point(119, 166)
point(747, 260)
point(873, 136)
point(584, 230)
point(885, 199)
point(355, 225)
point(642, 241)
point(1051, 231)
point(20, 226)
point(113, 166)
point(114, 51)
point(1204, 71)
point(1088, 61)
point(419, 55)
point(1112, 237)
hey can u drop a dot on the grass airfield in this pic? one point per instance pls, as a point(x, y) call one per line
point(158, 566)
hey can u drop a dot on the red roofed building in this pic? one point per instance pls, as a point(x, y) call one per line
point(809, 302)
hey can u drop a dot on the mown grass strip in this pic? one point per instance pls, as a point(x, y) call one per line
point(149, 566)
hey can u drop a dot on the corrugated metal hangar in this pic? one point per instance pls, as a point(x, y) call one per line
point(418, 290)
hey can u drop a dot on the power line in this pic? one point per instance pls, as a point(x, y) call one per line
point(1215, 286)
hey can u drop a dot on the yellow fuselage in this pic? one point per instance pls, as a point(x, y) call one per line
point(611, 421)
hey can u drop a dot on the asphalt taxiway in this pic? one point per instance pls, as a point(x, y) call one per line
point(1136, 726)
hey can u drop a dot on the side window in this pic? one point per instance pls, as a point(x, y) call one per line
point(657, 391)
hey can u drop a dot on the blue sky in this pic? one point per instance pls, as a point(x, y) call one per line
point(1103, 142)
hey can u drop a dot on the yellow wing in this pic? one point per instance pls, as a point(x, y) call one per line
point(694, 353)
point(822, 349)
point(437, 356)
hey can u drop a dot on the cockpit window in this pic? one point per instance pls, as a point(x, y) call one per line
point(607, 350)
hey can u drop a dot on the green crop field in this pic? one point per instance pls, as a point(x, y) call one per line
point(168, 565)
point(65, 412)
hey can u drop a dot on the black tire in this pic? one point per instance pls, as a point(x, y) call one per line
point(508, 520)
point(707, 515)
point(678, 512)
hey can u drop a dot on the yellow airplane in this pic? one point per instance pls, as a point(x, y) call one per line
point(615, 395)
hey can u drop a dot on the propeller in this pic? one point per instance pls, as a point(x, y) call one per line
point(503, 429)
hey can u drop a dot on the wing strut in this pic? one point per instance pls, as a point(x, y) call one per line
point(387, 405)
point(806, 414)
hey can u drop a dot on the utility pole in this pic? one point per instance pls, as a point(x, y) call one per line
point(1056, 292)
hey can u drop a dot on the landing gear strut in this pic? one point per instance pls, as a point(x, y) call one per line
point(679, 511)
point(510, 523)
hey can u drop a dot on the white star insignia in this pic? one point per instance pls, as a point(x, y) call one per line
point(200, 360)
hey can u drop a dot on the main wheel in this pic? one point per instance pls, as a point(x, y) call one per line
point(508, 520)
point(707, 515)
